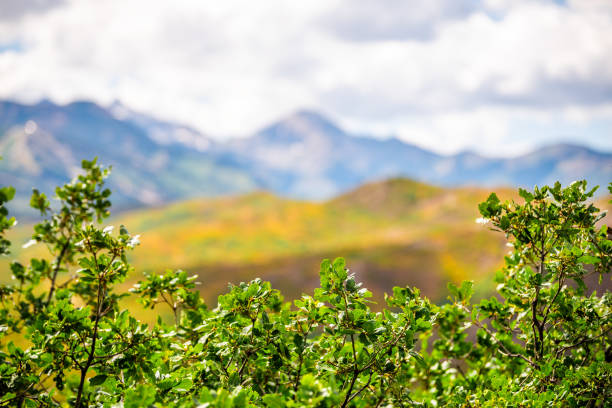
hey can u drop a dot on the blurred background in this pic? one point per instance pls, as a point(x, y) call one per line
point(256, 138)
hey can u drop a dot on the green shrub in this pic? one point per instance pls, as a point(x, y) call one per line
point(543, 341)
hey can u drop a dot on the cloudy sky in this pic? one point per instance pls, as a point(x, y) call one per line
point(496, 76)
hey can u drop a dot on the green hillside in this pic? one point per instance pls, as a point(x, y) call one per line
point(394, 232)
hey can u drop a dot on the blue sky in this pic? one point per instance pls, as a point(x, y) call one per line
point(496, 76)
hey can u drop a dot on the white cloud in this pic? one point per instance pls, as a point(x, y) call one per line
point(456, 76)
point(16, 9)
point(367, 20)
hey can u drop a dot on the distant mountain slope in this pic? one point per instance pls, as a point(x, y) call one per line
point(304, 156)
point(42, 146)
point(163, 133)
point(560, 162)
point(319, 160)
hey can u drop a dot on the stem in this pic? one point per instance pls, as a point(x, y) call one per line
point(536, 324)
point(561, 281)
point(92, 349)
point(298, 373)
point(356, 370)
point(499, 343)
point(348, 393)
point(58, 263)
point(581, 342)
point(362, 388)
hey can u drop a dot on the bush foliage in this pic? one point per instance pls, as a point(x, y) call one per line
point(542, 340)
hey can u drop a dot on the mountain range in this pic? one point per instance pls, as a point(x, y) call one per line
point(304, 156)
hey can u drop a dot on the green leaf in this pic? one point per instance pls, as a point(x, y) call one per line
point(30, 403)
point(589, 259)
point(274, 401)
point(419, 359)
point(98, 379)
point(526, 195)
point(466, 290)
point(8, 396)
point(504, 223)
point(7, 193)
point(142, 396)
point(12, 349)
point(265, 320)
point(340, 268)
point(184, 386)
